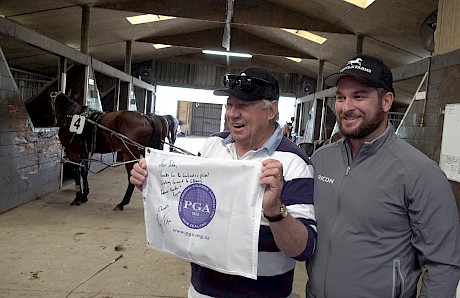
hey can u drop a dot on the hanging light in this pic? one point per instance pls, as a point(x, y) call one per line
point(158, 46)
point(224, 53)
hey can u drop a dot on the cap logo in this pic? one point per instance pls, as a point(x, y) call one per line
point(355, 64)
point(357, 61)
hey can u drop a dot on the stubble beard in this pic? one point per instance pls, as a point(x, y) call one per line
point(366, 127)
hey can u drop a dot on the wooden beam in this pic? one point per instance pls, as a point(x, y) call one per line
point(402, 73)
point(212, 40)
point(249, 12)
point(410, 71)
point(25, 35)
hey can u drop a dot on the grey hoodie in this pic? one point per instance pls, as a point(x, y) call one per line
point(381, 217)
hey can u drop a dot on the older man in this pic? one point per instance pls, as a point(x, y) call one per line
point(385, 211)
point(288, 228)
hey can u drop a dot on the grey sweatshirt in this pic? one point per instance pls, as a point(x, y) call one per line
point(381, 217)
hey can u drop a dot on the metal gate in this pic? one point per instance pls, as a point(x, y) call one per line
point(206, 118)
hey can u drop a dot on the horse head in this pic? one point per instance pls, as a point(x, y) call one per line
point(63, 106)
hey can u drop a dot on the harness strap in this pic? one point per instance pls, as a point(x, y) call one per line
point(89, 137)
point(96, 116)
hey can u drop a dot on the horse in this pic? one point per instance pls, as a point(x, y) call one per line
point(164, 127)
point(102, 132)
point(286, 130)
point(173, 125)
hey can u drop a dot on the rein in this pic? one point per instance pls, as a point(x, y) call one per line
point(131, 142)
point(126, 141)
point(88, 113)
point(183, 151)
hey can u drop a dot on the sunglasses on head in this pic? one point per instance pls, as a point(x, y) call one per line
point(246, 83)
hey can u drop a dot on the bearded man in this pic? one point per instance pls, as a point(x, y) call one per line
point(384, 210)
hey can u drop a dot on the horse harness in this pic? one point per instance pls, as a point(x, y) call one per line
point(88, 138)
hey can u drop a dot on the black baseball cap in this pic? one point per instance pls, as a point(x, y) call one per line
point(253, 83)
point(368, 69)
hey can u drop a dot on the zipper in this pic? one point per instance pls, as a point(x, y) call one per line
point(347, 171)
point(334, 226)
point(398, 280)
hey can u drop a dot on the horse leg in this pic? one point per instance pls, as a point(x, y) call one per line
point(126, 198)
point(78, 192)
point(84, 176)
point(172, 141)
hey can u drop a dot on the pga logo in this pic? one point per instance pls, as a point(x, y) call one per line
point(197, 206)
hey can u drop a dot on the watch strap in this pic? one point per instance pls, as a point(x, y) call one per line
point(279, 217)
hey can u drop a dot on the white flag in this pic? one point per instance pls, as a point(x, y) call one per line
point(205, 210)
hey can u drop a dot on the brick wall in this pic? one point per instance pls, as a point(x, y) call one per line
point(29, 158)
point(443, 82)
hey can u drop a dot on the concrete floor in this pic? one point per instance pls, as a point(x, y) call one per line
point(52, 249)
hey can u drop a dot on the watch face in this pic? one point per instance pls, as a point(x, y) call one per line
point(284, 211)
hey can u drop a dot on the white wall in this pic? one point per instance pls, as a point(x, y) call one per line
point(167, 98)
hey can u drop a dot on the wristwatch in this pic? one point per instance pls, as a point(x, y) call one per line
point(283, 214)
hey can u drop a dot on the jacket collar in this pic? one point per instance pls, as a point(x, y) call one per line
point(369, 148)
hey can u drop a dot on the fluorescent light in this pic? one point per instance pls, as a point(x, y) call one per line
point(147, 18)
point(308, 35)
point(298, 60)
point(223, 53)
point(158, 46)
point(360, 3)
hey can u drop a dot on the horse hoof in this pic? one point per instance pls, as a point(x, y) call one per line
point(118, 208)
point(75, 203)
point(83, 200)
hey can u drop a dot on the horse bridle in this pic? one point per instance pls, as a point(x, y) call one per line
point(68, 118)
